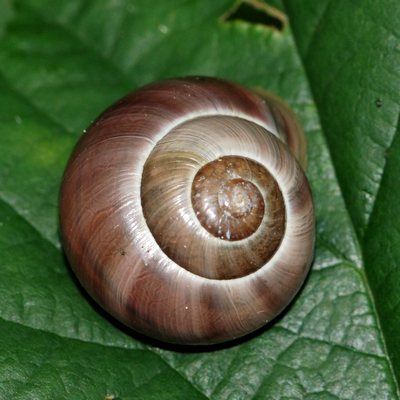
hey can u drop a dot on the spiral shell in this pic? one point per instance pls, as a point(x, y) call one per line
point(184, 214)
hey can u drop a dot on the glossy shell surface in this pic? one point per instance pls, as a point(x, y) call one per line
point(147, 252)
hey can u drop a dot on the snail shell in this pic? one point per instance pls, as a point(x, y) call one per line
point(184, 214)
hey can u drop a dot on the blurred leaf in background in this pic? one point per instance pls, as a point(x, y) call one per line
point(337, 65)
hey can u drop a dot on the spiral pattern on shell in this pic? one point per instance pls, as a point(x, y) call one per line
point(185, 215)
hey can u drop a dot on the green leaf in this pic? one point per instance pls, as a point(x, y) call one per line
point(63, 62)
point(351, 54)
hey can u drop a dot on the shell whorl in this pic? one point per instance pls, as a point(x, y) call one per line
point(136, 237)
